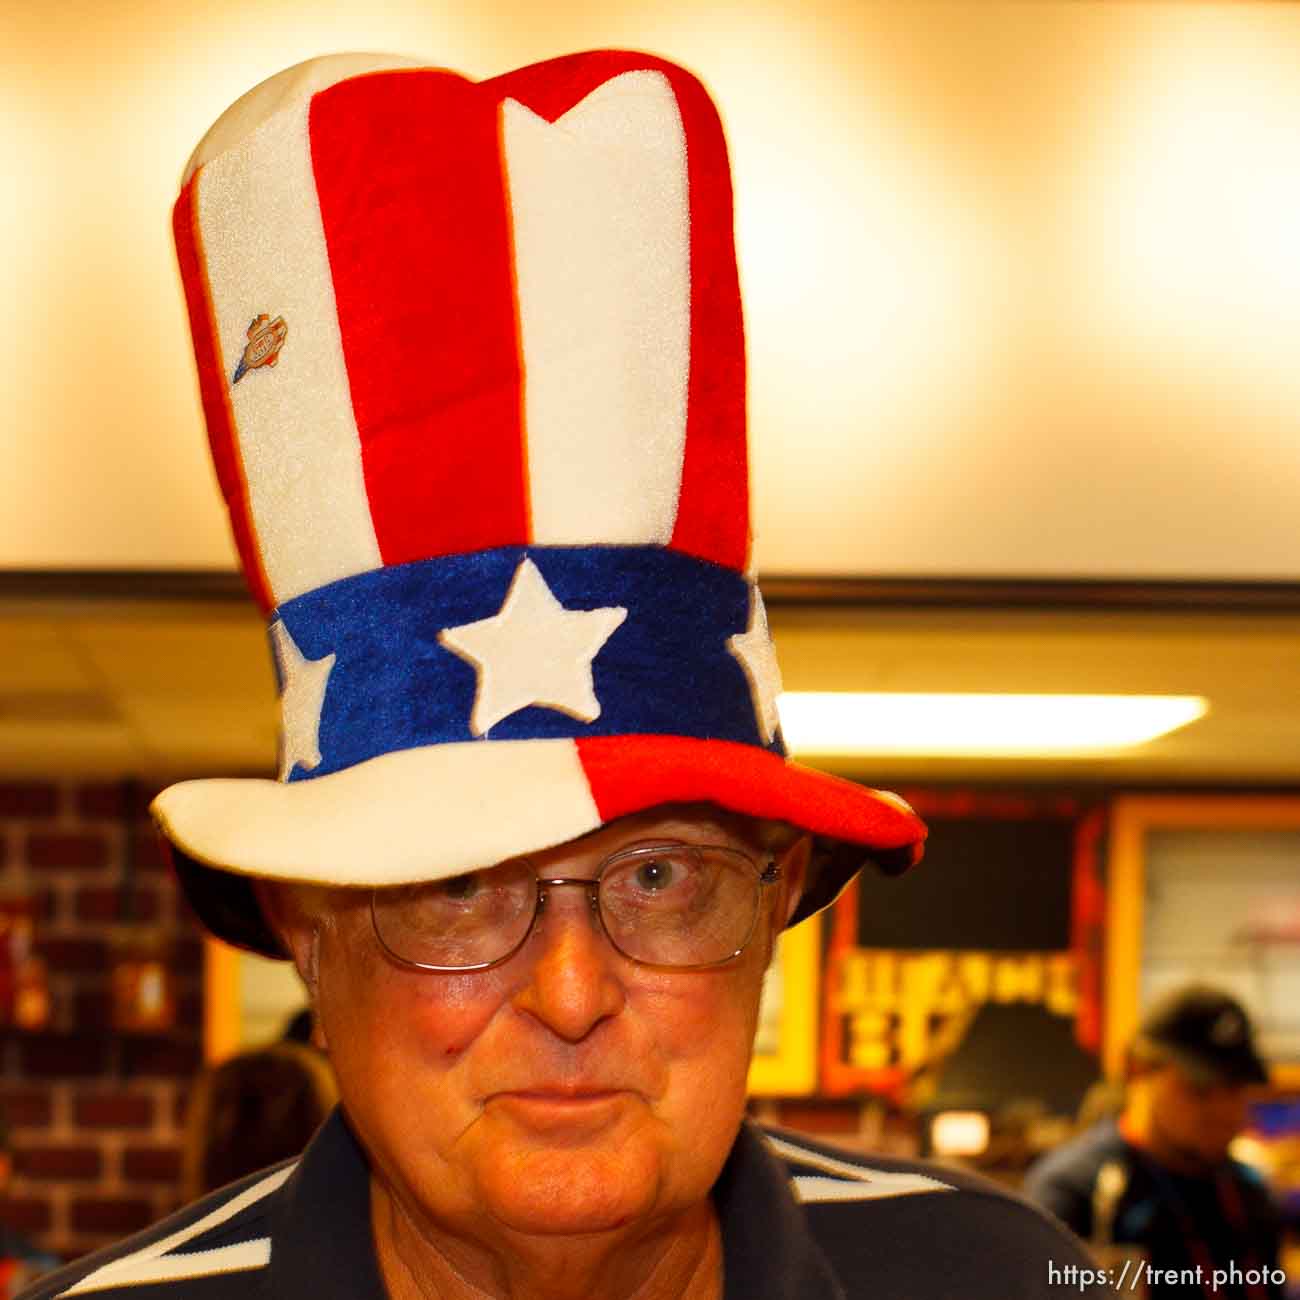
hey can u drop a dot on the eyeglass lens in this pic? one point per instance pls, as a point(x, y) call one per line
point(679, 905)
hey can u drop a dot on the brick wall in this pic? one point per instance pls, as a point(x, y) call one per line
point(95, 1116)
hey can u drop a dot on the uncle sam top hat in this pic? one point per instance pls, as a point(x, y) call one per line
point(472, 363)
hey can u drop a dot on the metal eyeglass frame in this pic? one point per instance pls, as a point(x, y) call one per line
point(765, 876)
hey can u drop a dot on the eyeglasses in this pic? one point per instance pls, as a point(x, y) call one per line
point(686, 906)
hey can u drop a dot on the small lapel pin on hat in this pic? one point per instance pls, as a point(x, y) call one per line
point(265, 339)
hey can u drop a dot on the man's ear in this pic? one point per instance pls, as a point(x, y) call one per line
point(295, 925)
point(794, 874)
point(793, 862)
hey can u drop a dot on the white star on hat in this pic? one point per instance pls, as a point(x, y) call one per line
point(756, 654)
point(301, 700)
point(534, 651)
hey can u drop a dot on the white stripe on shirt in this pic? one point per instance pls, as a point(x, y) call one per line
point(848, 1181)
point(154, 1263)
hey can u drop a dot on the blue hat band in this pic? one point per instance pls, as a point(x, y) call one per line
point(665, 669)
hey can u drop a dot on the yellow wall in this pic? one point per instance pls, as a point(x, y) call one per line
point(1022, 277)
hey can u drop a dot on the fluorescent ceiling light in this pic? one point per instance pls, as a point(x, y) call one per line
point(834, 722)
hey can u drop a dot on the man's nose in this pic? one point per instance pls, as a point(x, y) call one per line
point(573, 979)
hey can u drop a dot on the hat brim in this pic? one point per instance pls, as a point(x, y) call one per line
point(438, 810)
point(1207, 1072)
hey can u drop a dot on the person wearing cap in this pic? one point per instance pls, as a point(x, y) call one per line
point(1159, 1177)
point(472, 364)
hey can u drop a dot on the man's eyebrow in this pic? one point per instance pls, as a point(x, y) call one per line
point(709, 833)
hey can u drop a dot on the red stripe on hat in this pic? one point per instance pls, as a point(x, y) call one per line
point(713, 505)
point(628, 774)
point(214, 388)
point(412, 194)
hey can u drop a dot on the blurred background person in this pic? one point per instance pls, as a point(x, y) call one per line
point(253, 1110)
point(1159, 1176)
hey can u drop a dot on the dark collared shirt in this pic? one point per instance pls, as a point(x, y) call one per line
point(800, 1221)
point(1223, 1224)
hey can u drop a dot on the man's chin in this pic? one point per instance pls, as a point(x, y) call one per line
point(544, 1187)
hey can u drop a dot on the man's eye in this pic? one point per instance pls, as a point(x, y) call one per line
point(658, 875)
point(459, 889)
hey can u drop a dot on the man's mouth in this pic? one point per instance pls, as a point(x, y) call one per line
point(562, 1111)
point(560, 1094)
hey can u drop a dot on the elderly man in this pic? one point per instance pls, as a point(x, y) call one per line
point(472, 364)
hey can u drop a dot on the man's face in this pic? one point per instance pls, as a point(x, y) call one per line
point(1196, 1119)
point(567, 1090)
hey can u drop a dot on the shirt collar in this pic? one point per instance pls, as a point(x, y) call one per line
point(322, 1244)
point(768, 1252)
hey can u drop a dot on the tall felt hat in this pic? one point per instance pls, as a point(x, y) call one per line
point(472, 363)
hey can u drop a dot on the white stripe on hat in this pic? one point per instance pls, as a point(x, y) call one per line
point(294, 424)
point(269, 97)
point(600, 213)
point(411, 814)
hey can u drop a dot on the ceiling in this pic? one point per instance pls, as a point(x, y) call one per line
point(1247, 665)
point(164, 687)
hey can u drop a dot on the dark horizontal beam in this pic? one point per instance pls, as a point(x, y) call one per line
point(217, 585)
point(788, 590)
point(1034, 594)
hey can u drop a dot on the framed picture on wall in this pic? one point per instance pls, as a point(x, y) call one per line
point(785, 1047)
point(1206, 889)
point(995, 938)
